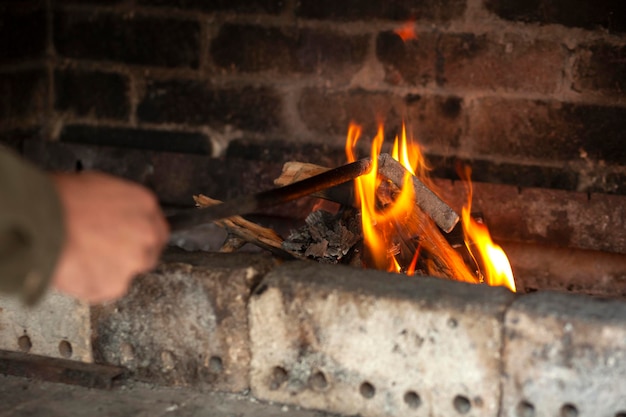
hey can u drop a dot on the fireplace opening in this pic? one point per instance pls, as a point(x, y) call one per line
point(530, 99)
point(214, 101)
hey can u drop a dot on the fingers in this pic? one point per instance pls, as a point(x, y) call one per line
point(115, 230)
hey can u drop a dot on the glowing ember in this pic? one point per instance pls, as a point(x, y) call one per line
point(407, 31)
point(496, 264)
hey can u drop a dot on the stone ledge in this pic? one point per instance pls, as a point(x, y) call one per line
point(564, 354)
point(352, 341)
point(362, 342)
point(185, 323)
point(57, 326)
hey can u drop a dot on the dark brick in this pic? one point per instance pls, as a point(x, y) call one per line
point(600, 131)
point(255, 48)
point(401, 10)
point(330, 112)
point(615, 183)
point(432, 121)
point(521, 129)
point(588, 14)
point(23, 94)
point(22, 33)
point(505, 173)
point(158, 140)
point(85, 2)
point(279, 152)
point(436, 122)
point(600, 67)
point(92, 93)
point(547, 130)
point(15, 138)
point(197, 103)
point(238, 6)
point(175, 177)
point(413, 62)
point(509, 62)
point(132, 40)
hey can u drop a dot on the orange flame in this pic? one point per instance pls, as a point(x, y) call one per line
point(497, 267)
point(406, 31)
point(379, 224)
point(381, 220)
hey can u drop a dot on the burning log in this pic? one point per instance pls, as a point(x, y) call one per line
point(439, 258)
point(429, 202)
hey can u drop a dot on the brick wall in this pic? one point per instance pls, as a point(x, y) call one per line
point(530, 92)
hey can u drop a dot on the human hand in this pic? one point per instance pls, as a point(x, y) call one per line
point(114, 230)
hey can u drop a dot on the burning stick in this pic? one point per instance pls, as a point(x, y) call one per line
point(443, 215)
point(439, 211)
point(248, 204)
point(426, 199)
point(246, 231)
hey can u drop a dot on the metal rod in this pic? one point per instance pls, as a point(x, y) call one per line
point(442, 214)
point(248, 204)
point(59, 370)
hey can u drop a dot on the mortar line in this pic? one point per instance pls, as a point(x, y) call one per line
point(501, 367)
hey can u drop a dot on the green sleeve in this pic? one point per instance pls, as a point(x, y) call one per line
point(31, 228)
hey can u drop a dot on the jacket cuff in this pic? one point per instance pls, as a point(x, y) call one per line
point(31, 225)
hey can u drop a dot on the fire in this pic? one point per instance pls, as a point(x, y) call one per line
point(410, 156)
point(387, 226)
point(496, 264)
point(379, 223)
point(406, 31)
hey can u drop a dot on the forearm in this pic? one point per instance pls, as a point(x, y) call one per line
point(31, 227)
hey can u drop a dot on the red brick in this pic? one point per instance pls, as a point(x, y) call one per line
point(522, 129)
point(553, 217)
point(413, 62)
point(436, 122)
point(251, 48)
point(549, 131)
point(607, 14)
point(494, 62)
point(600, 67)
point(238, 6)
point(433, 121)
point(401, 10)
point(330, 112)
point(138, 40)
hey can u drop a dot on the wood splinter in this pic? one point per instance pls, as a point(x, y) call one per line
point(242, 231)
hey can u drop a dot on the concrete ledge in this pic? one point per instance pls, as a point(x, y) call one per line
point(564, 355)
point(363, 342)
point(57, 326)
point(346, 340)
point(184, 324)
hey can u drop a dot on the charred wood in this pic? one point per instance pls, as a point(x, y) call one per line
point(241, 230)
